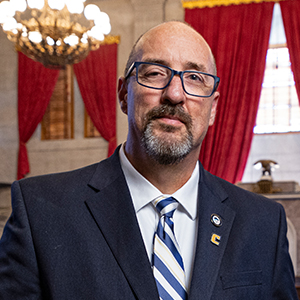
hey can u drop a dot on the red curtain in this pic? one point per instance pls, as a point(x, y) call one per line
point(238, 36)
point(35, 87)
point(97, 77)
point(290, 10)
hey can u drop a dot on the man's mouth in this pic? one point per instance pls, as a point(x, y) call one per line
point(169, 115)
point(171, 120)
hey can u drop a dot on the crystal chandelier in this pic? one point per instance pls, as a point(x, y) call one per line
point(54, 32)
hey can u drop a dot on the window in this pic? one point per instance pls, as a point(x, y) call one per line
point(57, 122)
point(279, 109)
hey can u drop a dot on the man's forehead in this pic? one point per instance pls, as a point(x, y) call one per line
point(189, 58)
point(178, 41)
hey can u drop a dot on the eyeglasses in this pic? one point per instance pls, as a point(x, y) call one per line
point(157, 76)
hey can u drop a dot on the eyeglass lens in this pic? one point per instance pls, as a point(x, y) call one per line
point(156, 76)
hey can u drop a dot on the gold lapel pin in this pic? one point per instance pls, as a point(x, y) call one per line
point(215, 239)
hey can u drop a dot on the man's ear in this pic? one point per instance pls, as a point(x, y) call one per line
point(122, 94)
point(214, 108)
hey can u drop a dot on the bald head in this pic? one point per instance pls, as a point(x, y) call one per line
point(173, 30)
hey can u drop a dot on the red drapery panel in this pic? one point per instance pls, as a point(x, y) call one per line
point(238, 36)
point(97, 77)
point(35, 87)
point(290, 10)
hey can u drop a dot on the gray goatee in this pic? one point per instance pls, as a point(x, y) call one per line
point(166, 151)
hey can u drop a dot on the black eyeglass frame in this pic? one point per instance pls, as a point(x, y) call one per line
point(173, 73)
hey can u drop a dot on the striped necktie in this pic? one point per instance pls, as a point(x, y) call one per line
point(167, 262)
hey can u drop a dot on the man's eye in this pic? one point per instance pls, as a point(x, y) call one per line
point(154, 73)
point(195, 77)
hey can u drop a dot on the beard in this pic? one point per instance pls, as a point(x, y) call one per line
point(167, 151)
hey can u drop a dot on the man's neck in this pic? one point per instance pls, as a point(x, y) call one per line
point(167, 178)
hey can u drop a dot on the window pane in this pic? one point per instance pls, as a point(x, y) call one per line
point(278, 107)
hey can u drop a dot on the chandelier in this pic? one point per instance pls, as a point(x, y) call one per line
point(54, 32)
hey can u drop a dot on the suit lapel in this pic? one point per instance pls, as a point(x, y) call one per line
point(209, 254)
point(114, 213)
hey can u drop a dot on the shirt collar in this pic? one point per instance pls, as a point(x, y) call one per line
point(142, 191)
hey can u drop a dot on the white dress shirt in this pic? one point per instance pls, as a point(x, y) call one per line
point(185, 216)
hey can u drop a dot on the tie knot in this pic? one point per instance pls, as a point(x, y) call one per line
point(165, 206)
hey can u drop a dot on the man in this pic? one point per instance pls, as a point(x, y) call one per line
point(88, 234)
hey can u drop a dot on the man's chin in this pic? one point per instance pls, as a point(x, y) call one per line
point(167, 147)
point(169, 131)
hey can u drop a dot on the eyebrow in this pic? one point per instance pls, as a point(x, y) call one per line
point(188, 65)
point(156, 61)
point(195, 66)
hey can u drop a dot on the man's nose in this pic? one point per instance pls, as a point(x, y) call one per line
point(174, 92)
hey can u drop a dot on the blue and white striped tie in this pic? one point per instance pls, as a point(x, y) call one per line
point(167, 262)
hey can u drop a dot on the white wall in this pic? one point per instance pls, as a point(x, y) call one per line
point(282, 148)
point(8, 110)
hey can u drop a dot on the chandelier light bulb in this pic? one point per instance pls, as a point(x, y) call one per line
point(96, 33)
point(10, 24)
point(91, 11)
point(36, 4)
point(103, 18)
point(35, 37)
point(3, 18)
point(84, 40)
point(19, 5)
point(75, 6)
point(72, 40)
point(103, 22)
point(105, 28)
point(7, 9)
point(50, 41)
point(56, 4)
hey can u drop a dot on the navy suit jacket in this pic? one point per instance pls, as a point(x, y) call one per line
point(75, 236)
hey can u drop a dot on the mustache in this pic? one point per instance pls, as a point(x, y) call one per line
point(169, 110)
